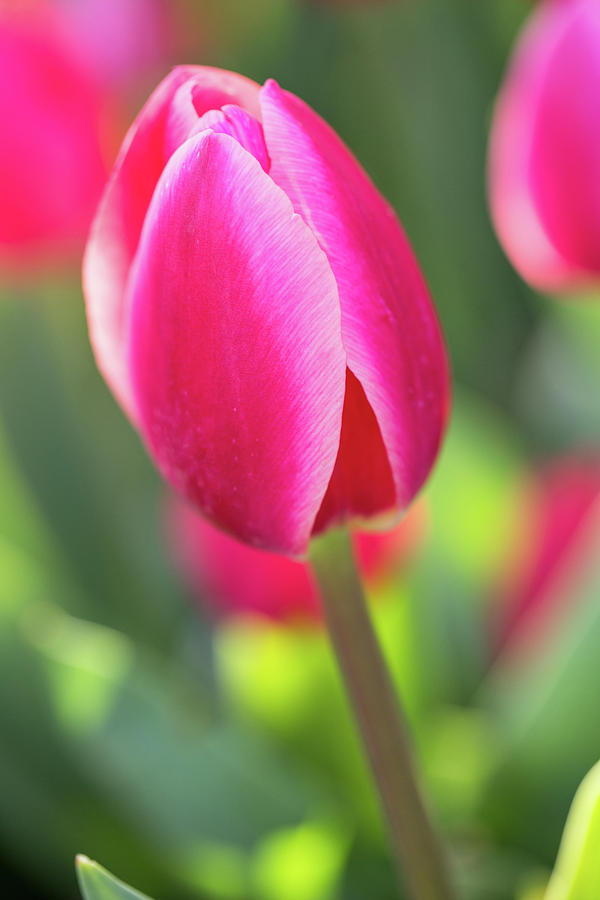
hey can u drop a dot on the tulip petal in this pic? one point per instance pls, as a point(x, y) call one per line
point(544, 162)
point(389, 327)
point(565, 152)
point(48, 191)
point(118, 224)
point(242, 126)
point(362, 485)
point(235, 346)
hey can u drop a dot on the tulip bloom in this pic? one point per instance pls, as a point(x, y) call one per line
point(556, 546)
point(51, 161)
point(120, 41)
point(544, 159)
point(257, 309)
point(235, 579)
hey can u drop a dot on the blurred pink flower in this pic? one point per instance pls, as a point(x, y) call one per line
point(257, 309)
point(544, 157)
point(555, 546)
point(52, 167)
point(121, 42)
point(235, 579)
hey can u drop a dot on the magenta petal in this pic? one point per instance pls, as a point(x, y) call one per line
point(544, 159)
point(120, 41)
point(118, 224)
point(52, 169)
point(236, 354)
point(565, 153)
point(242, 126)
point(389, 327)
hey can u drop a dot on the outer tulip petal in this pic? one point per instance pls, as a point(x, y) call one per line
point(236, 355)
point(544, 161)
point(389, 327)
point(118, 224)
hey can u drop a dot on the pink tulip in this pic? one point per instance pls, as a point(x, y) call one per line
point(120, 41)
point(555, 547)
point(256, 307)
point(236, 579)
point(51, 160)
point(544, 162)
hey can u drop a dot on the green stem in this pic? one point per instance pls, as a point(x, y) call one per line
point(380, 719)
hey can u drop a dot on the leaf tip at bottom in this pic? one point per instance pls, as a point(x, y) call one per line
point(96, 883)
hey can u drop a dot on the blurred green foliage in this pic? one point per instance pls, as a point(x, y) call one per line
point(98, 884)
point(222, 763)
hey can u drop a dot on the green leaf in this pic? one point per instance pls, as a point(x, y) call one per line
point(577, 872)
point(98, 884)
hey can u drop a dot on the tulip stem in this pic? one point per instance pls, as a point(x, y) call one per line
point(380, 719)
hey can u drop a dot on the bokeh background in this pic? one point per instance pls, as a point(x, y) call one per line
point(215, 758)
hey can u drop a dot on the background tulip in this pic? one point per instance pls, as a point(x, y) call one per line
point(121, 42)
point(237, 579)
point(554, 548)
point(52, 166)
point(544, 157)
point(256, 307)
